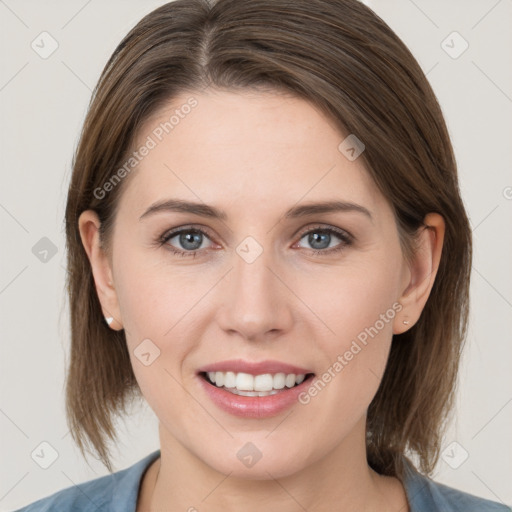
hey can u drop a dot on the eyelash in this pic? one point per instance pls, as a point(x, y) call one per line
point(346, 240)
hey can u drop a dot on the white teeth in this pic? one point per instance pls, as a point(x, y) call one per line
point(219, 379)
point(263, 382)
point(290, 380)
point(279, 380)
point(246, 393)
point(230, 379)
point(253, 393)
point(246, 384)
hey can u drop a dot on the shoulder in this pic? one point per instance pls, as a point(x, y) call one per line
point(426, 495)
point(115, 492)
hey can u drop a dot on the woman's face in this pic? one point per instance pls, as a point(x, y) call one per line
point(270, 286)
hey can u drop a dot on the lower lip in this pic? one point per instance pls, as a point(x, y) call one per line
point(254, 406)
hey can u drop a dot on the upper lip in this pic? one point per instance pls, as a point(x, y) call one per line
point(254, 368)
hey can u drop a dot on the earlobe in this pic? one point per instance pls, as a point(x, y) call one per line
point(422, 271)
point(89, 225)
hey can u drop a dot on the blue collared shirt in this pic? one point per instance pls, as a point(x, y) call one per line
point(118, 492)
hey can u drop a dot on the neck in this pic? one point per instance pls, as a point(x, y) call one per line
point(342, 481)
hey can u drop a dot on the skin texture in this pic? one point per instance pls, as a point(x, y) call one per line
point(255, 155)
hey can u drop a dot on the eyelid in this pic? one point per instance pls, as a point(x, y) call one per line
point(345, 237)
point(186, 227)
point(342, 233)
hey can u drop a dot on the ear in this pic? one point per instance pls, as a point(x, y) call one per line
point(422, 272)
point(89, 225)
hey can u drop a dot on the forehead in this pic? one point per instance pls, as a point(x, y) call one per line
point(244, 149)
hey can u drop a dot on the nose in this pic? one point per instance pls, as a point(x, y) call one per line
point(256, 304)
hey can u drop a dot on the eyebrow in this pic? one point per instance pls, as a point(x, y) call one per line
point(204, 210)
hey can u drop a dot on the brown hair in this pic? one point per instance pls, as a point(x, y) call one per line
point(341, 57)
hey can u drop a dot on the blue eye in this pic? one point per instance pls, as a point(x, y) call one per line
point(189, 241)
point(320, 240)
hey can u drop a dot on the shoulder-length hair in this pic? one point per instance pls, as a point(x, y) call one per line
point(340, 56)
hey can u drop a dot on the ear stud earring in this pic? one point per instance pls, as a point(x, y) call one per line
point(109, 319)
point(406, 322)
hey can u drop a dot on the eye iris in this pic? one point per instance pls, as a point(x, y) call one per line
point(314, 238)
point(190, 237)
point(192, 240)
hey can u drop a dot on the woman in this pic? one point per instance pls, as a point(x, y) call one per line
point(267, 242)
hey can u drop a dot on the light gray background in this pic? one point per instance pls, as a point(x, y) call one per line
point(43, 103)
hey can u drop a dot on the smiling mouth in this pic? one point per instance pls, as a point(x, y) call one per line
point(245, 384)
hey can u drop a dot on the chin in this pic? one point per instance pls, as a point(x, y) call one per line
point(254, 460)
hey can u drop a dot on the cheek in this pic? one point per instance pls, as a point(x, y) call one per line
point(357, 309)
point(154, 312)
point(154, 300)
point(353, 302)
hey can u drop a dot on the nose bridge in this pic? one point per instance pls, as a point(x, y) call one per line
point(255, 304)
